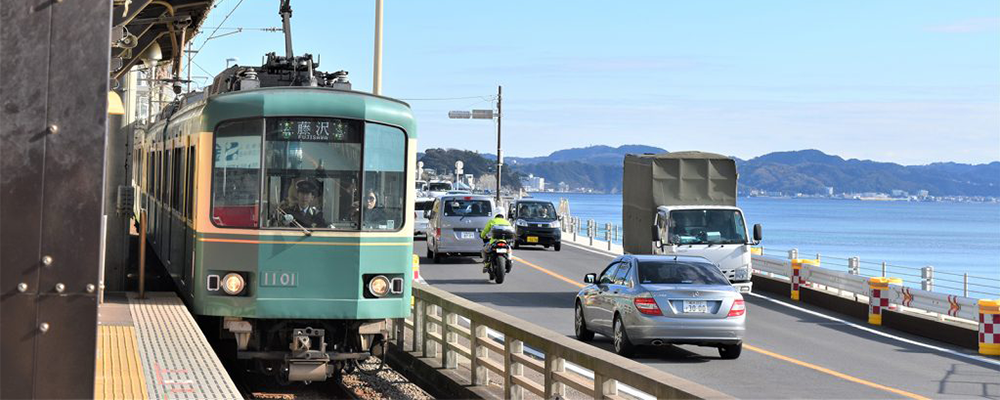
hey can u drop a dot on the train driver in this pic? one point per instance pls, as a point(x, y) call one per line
point(302, 210)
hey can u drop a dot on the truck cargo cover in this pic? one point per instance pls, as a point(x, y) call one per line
point(690, 178)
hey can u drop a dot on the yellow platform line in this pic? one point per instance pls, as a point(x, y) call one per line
point(119, 370)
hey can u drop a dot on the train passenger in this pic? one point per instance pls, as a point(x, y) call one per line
point(375, 215)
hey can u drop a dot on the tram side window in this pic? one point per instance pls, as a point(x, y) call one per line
point(236, 174)
point(148, 184)
point(189, 193)
point(385, 179)
point(176, 182)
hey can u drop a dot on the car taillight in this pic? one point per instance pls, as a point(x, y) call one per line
point(738, 309)
point(437, 233)
point(647, 305)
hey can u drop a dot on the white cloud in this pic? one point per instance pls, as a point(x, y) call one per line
point(971, 25)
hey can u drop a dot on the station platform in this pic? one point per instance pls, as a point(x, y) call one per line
point(152, 349)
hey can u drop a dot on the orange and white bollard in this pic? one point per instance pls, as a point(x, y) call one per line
point(989, 327)
point(878, 299)
point(796, 278)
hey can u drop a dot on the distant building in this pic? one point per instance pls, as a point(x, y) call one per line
point(829, 190)
point(563, 187)
point(922, 193)
point(533, 183)
point(899, 193)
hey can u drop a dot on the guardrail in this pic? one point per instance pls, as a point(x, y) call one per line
point(436, 332)
point(939, 303)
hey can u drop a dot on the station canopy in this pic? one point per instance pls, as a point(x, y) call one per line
point(153, 31)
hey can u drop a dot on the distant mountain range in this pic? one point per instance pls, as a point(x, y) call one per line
point(805, 171)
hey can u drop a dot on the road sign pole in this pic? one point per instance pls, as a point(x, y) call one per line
point(499, 150)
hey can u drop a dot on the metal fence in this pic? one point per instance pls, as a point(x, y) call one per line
point(443, 322)
point(926, 278)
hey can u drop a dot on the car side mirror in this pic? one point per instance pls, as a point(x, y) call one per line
point(559, 217)
point(590, 278)
point(427, 214)
point(655, 232)
point(757, 234)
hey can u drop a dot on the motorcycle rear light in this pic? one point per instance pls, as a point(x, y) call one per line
point(739, 308)
point(647, 305)
point(501, 244)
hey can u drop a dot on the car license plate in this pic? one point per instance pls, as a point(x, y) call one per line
point(697, 306)
point(501, 251)
point(532, 239)
point(468, 235)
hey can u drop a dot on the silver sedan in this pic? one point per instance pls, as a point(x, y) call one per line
point(660, 300)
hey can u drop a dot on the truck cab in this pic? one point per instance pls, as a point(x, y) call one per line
point(717, 233)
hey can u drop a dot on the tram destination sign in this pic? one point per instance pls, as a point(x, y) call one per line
point(311, 129)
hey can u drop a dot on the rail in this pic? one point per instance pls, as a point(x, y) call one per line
point(442, 324)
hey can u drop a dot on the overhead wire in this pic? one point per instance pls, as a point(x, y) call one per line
point(197, 52)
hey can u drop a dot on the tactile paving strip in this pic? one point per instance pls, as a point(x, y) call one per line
point(178, 362)
point(119, 371)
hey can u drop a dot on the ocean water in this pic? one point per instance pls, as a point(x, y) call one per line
point(954, 238)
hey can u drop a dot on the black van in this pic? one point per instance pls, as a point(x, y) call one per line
point(536, 223)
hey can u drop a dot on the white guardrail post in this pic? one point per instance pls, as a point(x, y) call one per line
point(927, 278)
point(607, 234)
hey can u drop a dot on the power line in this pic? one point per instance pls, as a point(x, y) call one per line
point(483, 98)
point(217, 29)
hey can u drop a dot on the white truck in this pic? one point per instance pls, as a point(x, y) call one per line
point(685, 204)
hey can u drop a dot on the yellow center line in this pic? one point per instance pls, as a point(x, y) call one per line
point(762, 351)
point(550, 273)
point(834, 373)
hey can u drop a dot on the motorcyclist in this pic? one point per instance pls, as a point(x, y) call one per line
point(485, 234)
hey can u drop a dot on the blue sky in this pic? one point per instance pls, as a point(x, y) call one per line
point(911, 82)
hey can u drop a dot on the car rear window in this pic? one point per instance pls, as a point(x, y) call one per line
point(467, 208)
point(673, 272)
point(423, 205)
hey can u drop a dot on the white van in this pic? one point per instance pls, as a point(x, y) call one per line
point(455, 224)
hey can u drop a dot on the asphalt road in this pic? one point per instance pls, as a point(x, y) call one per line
point(787, 353)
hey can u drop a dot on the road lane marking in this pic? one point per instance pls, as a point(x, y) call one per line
point(550, 273)
point(879, 333)
point(834, 373)
point(762, 351)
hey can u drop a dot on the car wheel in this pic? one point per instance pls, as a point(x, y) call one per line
point(437, 258)
point(623, 346)
point(557, 246)
point(517, 245)
point(546, 246)
point(582, 333)
point(430, 254)
point(730, 352)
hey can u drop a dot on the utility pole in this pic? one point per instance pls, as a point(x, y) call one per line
point(377, 75)
point(499, 150)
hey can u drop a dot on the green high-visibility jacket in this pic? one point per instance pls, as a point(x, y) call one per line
point(495, 221)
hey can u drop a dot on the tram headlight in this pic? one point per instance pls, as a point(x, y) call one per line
point(379, 286)
point(233, 284)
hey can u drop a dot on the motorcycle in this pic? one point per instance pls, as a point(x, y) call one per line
point(496, 256)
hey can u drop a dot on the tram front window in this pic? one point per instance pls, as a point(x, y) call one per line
point(383, 198)
point(312, 167)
